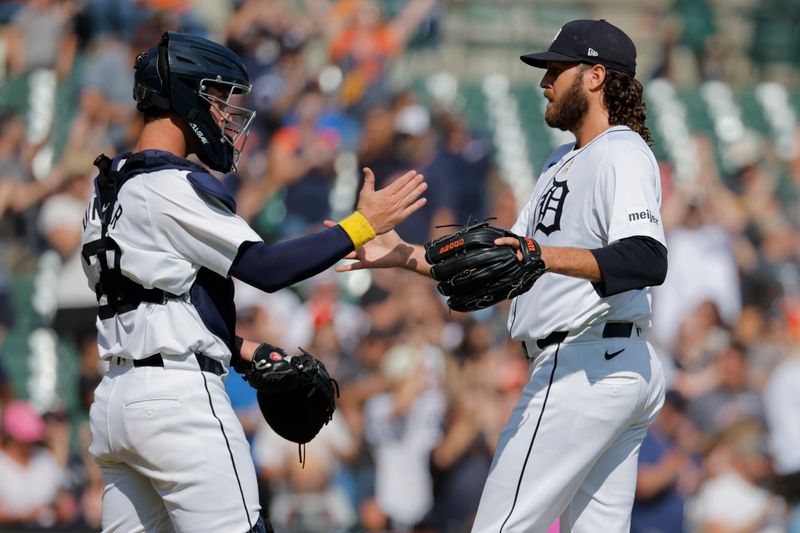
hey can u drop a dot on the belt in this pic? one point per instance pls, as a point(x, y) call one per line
point(206, 363)
point(610, 330)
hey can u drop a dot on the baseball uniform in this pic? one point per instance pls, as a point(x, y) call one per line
point(161, 432)
point(570, 447)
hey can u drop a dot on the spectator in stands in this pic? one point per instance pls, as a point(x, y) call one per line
point(402, 426)
point(768, 336)
point(60, 221)
point(20, 193)
point(376, 146)
point(270, 41)
point(107, 113)
point(301, 157)
point(325, 307)
point(460, 461)
point(363, 383)
point(60, 225)
point(13, 167)
point(668, 471)
point(733, 399)
point(703, 268)
point(41, 37)
point(413, 145)
point(466, 159)
point(306, 497)
point(733, 498)
point(781, 398)
point(362, 43)
point(777, 273)
point(18, 190)
point(31, 474)
point(700, 337)
point(41, 46)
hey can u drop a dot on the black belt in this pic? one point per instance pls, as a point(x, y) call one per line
point(610, 330)
point(206, 363)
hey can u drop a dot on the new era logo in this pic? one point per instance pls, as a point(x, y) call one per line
point(592, 53)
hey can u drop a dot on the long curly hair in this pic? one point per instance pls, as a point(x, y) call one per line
point(623, 97)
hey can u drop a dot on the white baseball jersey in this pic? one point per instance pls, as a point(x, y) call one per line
point(167, 229)
point(571, 445)
point(588, 197)
point(173, 454)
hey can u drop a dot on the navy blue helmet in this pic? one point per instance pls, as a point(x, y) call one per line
point(198, 79)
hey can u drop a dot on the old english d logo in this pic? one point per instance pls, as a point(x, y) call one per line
point(548, 210)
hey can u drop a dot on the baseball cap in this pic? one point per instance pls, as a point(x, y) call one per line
point(596, 42)
point(22, 423)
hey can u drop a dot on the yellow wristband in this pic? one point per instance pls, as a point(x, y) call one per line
point(358, 229)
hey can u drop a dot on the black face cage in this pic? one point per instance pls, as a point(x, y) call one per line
point(234, 121)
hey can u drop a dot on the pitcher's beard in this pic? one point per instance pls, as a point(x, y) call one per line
point(568, 111)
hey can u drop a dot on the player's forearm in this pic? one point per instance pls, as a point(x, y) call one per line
point(575, 262)
point(247, 350)
point(273, 267)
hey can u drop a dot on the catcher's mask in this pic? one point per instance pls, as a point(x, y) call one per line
point(199, 80)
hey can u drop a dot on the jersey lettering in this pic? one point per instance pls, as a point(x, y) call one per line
point(90, 213)
point(115, 217)
point(642, 215)
point(550, 207)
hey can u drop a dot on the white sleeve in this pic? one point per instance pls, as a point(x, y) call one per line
point(628, 195)
point(520, 227)
point(197, 226)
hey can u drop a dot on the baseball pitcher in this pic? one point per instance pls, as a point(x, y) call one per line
point(589, 244)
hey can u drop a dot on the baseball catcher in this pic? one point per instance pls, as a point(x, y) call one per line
point(296, 394)
point(474, 272)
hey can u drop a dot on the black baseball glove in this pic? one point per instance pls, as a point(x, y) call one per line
point(296, 394)
point(475, 273)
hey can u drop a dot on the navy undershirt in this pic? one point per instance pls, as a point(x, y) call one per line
point(630, 264)
point(273, 267)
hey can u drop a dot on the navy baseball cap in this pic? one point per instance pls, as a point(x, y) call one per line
point(595, 42)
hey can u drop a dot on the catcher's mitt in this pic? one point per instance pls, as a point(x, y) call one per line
point(296, 394)
point(475, 273)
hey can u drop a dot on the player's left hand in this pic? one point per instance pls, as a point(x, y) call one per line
point(271, 370)
point(512, 242)
point(385, 208)
point(296, 394)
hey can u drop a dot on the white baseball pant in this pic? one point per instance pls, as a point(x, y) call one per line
point(173, 454)
point(570, 448)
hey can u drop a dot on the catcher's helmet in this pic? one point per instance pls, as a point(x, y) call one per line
point(187, 75)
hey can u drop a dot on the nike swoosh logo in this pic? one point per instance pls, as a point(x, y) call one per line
point(612, 355)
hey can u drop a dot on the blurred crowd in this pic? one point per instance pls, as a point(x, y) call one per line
point(424, 392)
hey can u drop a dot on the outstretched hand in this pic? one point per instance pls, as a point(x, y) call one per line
point(385, 251)
point(387, 207)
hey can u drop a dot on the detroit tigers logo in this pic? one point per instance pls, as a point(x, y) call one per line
point(550, 206)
